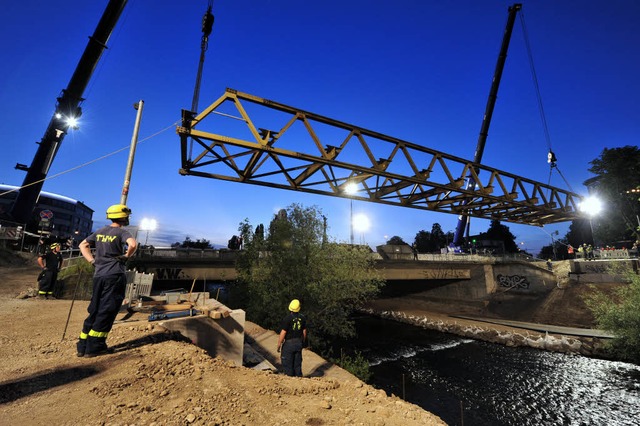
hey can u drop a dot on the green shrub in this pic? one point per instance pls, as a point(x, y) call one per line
point(619, 314)
point(356, 365)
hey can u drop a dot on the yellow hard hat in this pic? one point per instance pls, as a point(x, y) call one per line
point(118, 211)
point(294, 306)
point(54, 245)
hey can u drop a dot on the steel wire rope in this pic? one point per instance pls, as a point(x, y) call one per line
point(551, 158)
point(95, 160)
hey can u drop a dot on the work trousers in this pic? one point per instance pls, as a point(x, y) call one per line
point(106, 300)
point(47, 282)
point(291, 357)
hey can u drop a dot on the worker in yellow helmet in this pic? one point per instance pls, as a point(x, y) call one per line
point(293, 337)
point(50, 262)
point(114, 245)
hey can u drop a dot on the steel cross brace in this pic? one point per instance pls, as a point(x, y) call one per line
point(315, 154)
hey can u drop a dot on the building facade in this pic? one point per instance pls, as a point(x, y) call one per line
point(55, 217)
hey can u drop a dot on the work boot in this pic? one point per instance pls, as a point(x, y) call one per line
point(96, 346)
point(81, 347)
point(104, 351)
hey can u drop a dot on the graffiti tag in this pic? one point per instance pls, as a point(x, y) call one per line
point(513, 281)
point(593, 268)
point(441, 274)
point(169, 273)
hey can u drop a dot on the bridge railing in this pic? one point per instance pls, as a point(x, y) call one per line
point(465, 257)
point(190, 253)
point(225, 254)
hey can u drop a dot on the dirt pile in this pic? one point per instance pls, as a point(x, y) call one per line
point(155, 377)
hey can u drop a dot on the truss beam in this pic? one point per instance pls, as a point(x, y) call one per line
point(315, 154)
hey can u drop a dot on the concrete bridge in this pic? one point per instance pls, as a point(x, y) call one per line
point(450, 276)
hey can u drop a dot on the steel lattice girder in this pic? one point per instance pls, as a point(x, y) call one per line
point(316, 154)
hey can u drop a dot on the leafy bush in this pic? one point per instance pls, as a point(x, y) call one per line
point(620, 314)
point(356, 365)
point(295, 260)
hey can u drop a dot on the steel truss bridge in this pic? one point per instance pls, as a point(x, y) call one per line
point(279, 146)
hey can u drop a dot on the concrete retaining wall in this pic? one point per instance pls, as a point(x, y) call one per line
point(477, 281)
point(601, 271)
point(222, 337)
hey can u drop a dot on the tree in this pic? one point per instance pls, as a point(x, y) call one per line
point(198, 244)
point(293, 262)
point(499, 232)
point(433, 241)
point(397, 241)
point(422, 241)
point(617, 173)
point(246, 230)
point(579, 232)
point(619, 314)
point(557, 251)
point(438, 238)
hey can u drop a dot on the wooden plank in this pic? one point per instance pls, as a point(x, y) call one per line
point(173, 307)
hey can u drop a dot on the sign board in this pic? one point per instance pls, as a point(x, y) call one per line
point(46, 214)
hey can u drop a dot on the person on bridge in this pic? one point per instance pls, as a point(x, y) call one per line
point(109, 279)
point(293, 337)
point(50, 262)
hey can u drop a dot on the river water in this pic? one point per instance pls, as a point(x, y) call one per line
point(469, 382)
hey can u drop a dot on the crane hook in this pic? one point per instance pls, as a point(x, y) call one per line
point(551, 159)
point(207, 22)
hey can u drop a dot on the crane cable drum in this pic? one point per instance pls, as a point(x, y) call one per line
point(207, 26)
point(551, 156)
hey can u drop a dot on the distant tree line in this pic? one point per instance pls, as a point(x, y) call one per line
point(435, 240)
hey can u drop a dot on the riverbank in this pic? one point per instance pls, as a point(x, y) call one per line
point(560, 322)
point(158, 378)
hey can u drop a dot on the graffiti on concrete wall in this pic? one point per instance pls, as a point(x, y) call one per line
point(170, 274)
point(513, 281)
point(593, 268)
point(445, 274)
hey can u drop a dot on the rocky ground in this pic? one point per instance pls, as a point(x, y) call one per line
point(157, 378)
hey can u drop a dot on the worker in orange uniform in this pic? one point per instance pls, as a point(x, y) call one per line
point(293, 337)
point(114, 245)
point(50, 262)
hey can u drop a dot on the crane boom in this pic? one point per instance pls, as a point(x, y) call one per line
point(463, 219)
point(67, 107)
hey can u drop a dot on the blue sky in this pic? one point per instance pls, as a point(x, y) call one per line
point(416, 70)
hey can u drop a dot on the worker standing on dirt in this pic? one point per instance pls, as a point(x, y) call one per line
point(50, 262)
point(293, 337)
point(109, 279)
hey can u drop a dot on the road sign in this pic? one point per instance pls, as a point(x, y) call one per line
point(46, 214)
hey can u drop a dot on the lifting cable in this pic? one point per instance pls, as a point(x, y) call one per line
point(551, 157)
point(95, 160)
point(207, 26)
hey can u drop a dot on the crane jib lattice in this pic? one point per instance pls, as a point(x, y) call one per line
point(283, 147)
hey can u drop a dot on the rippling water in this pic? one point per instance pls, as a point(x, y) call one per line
point(477, 383)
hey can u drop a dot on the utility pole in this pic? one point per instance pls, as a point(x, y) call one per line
point(351, 221)
point(132, 153)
